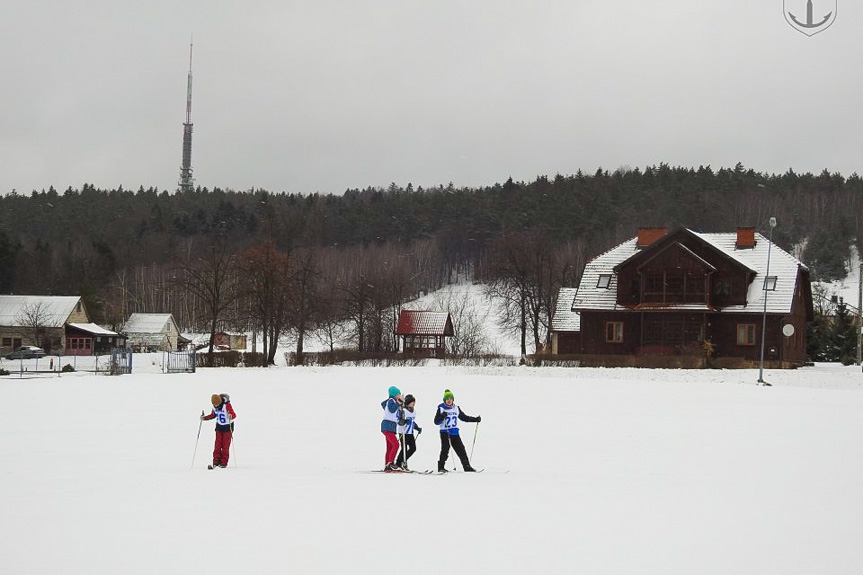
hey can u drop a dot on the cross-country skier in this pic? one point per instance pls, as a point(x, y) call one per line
point(224, 415)
point(447, 416)
point(392, 407)
point(406, 432)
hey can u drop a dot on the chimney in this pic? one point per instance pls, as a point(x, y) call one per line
point(647, 236)
point(745, 238)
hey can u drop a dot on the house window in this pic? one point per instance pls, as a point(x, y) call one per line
point(614, 331)
point(78, 307)
point(7, 342)
point(770, 283)
point(674, 284)
point(745, 334)
point(655, 282)
point(604, 281)
point(79, 343)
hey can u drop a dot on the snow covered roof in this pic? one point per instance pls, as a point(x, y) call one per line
point(55, 310)
point(564, 318)
point(147, 323)
point(417, 322)
point(783, 266)
point(589, 295)
point(93, 328)
point(594, 294)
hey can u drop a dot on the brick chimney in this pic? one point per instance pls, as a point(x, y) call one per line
point(647, 236)
point(745, 238)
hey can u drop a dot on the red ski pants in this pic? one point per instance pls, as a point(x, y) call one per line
point(223, 448)
point(392, 446)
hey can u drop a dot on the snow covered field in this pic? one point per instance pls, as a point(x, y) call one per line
point(610, 471)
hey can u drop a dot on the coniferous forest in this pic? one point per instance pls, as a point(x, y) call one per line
point(280, 263)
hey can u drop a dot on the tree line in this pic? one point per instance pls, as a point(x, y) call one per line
point(279, 263)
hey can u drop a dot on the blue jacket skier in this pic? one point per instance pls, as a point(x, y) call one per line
point(392, 407)
point(447, 417)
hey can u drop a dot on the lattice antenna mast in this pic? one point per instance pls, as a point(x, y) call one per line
point(186, 181)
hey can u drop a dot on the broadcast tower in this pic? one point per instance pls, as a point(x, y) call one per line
point(186, 181)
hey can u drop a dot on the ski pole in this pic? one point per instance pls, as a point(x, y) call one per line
point(200, 424)
point(475, 430)
point(234, 447)
point(449, 438)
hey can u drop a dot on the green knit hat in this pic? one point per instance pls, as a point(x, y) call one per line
point(393, 391)
point(448, 394)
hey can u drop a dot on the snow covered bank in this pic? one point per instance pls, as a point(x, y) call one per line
point(610, 471)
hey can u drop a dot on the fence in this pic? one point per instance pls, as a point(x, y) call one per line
point(121, 361)
point(180, 361)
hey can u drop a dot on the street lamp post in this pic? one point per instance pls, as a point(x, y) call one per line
point(860, 314)
point(764, 317)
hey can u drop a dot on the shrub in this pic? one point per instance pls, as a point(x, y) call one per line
point(67, 368)
point(254, 359)
point(3, 372)
point(231, 359)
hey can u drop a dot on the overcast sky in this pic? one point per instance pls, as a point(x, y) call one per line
point(324, 95)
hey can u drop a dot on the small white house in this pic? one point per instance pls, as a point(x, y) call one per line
point(152, 332)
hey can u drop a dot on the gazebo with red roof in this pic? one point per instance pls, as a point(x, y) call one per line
point(424, 332)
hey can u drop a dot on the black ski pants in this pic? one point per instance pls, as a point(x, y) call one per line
point(410, 443)
point(445, 441)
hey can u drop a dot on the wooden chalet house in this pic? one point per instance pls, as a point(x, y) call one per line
point(687, 299)
point(424, 333)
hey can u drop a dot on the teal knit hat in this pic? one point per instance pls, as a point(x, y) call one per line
point(394, 391)
point(448, 394)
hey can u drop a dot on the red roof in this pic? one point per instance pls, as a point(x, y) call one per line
point(416, 322)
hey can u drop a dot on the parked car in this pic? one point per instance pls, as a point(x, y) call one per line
point(26, 352)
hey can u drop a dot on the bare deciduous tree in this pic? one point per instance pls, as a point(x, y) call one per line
point(212, 278)
point(357, 294)
point(265, 283)
point(468, 320)
point(304, 293)
point(34, 321)
point(512, 284)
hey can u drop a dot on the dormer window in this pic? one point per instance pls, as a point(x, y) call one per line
point(770, 283)
point(604, 281)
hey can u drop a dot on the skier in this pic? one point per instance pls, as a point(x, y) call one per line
point(406, 427)
point(447, 416)
point(392, 407)
point(224, 415)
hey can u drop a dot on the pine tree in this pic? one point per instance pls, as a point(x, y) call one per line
point(844, 335)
